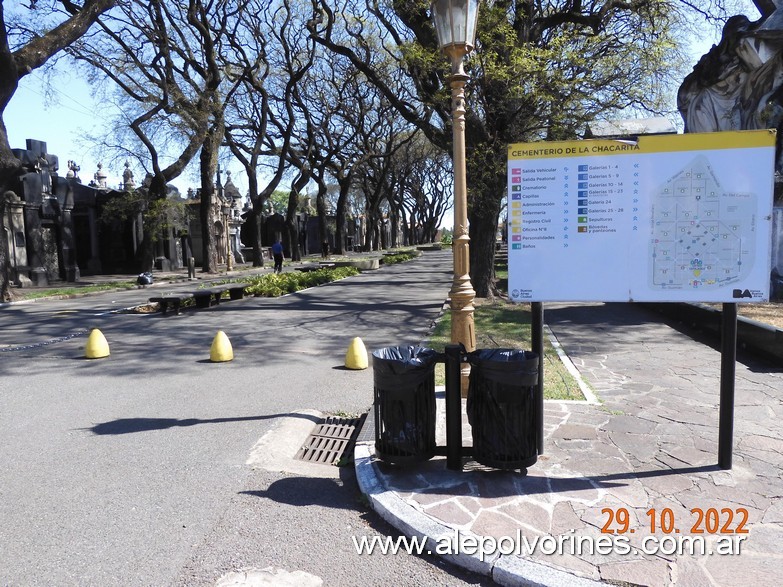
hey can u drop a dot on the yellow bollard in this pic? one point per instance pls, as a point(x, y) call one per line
point(356, 357)
point(97, 347)
point(221, 350)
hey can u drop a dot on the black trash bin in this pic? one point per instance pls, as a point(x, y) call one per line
point(404, 390)
point(501, 407)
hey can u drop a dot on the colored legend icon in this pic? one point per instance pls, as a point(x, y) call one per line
point(582, 195)
point(515, 224)
point(582, 222)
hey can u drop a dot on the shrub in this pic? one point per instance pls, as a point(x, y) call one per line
point(274, 285)
point(398, 258)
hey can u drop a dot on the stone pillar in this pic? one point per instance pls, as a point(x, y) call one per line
point(94, 264)
point(68, 240)
point(35, 245)
point(13, 224)
point(173, 250)
point(166, 252)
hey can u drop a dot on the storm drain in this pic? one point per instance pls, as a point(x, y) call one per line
point(331, 440)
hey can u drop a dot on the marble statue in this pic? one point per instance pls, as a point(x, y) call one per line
point(127, 178)
point(738, 84)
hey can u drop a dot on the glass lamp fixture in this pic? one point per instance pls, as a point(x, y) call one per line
point(455, 24)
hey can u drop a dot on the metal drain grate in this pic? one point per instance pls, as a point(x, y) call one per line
point(331, 440)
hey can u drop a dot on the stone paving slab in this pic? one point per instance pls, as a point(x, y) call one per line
point(646, 455)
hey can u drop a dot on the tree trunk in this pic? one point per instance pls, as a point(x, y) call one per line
point(208, 163)
point(483, 227)
point(255, 230)
point(254, 219)
point(290, 218)
point(320, 208)
point(144, 253)
point(339, 237)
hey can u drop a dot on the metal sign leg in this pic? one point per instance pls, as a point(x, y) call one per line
point(728, 359)
point(537, 342)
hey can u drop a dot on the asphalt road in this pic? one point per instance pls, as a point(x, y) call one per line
point(133, 470)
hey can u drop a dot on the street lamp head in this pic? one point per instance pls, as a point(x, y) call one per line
point(455, 24)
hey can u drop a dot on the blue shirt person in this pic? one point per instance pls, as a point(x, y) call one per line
point(277, 253)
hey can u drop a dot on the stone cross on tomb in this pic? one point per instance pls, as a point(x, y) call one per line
point(772, 11)
point(767, 7)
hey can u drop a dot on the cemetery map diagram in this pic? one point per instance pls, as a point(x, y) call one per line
point(702, 234)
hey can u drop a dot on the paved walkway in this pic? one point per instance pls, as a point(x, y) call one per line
point(647, 452)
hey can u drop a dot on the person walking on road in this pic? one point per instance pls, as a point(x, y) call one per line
point(277, 253)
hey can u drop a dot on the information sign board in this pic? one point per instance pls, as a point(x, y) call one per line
point(662, 218)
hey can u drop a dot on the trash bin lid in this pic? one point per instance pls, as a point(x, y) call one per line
point(505, 365)
point(413, 356)
point(392, 364)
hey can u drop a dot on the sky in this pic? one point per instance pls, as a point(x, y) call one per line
point(62, 122)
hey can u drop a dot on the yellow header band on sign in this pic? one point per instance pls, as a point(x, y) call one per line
point(743, 139)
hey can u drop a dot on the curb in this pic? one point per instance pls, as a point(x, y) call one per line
point(405, 518)
point(508, 570)
point(757, 337)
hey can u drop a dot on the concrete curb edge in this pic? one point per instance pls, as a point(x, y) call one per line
point(508, 570)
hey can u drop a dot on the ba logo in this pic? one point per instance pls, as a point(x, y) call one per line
point(739, 293)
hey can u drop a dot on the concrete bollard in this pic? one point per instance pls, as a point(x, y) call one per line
point(221, 350)
point(97, 347)
point(356, 357)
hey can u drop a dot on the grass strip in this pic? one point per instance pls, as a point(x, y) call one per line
point(23, 294)
point(500, 324)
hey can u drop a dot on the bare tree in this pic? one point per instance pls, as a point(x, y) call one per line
point(163, 59)
point(424, 174)
point(270, 57)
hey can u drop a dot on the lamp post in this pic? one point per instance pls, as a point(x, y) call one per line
point(455, 24)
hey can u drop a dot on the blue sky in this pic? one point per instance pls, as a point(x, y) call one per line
point(62, 121)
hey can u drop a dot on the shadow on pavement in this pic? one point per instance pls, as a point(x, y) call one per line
point(304, 491)
point(492, 483)
point(132, 425)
